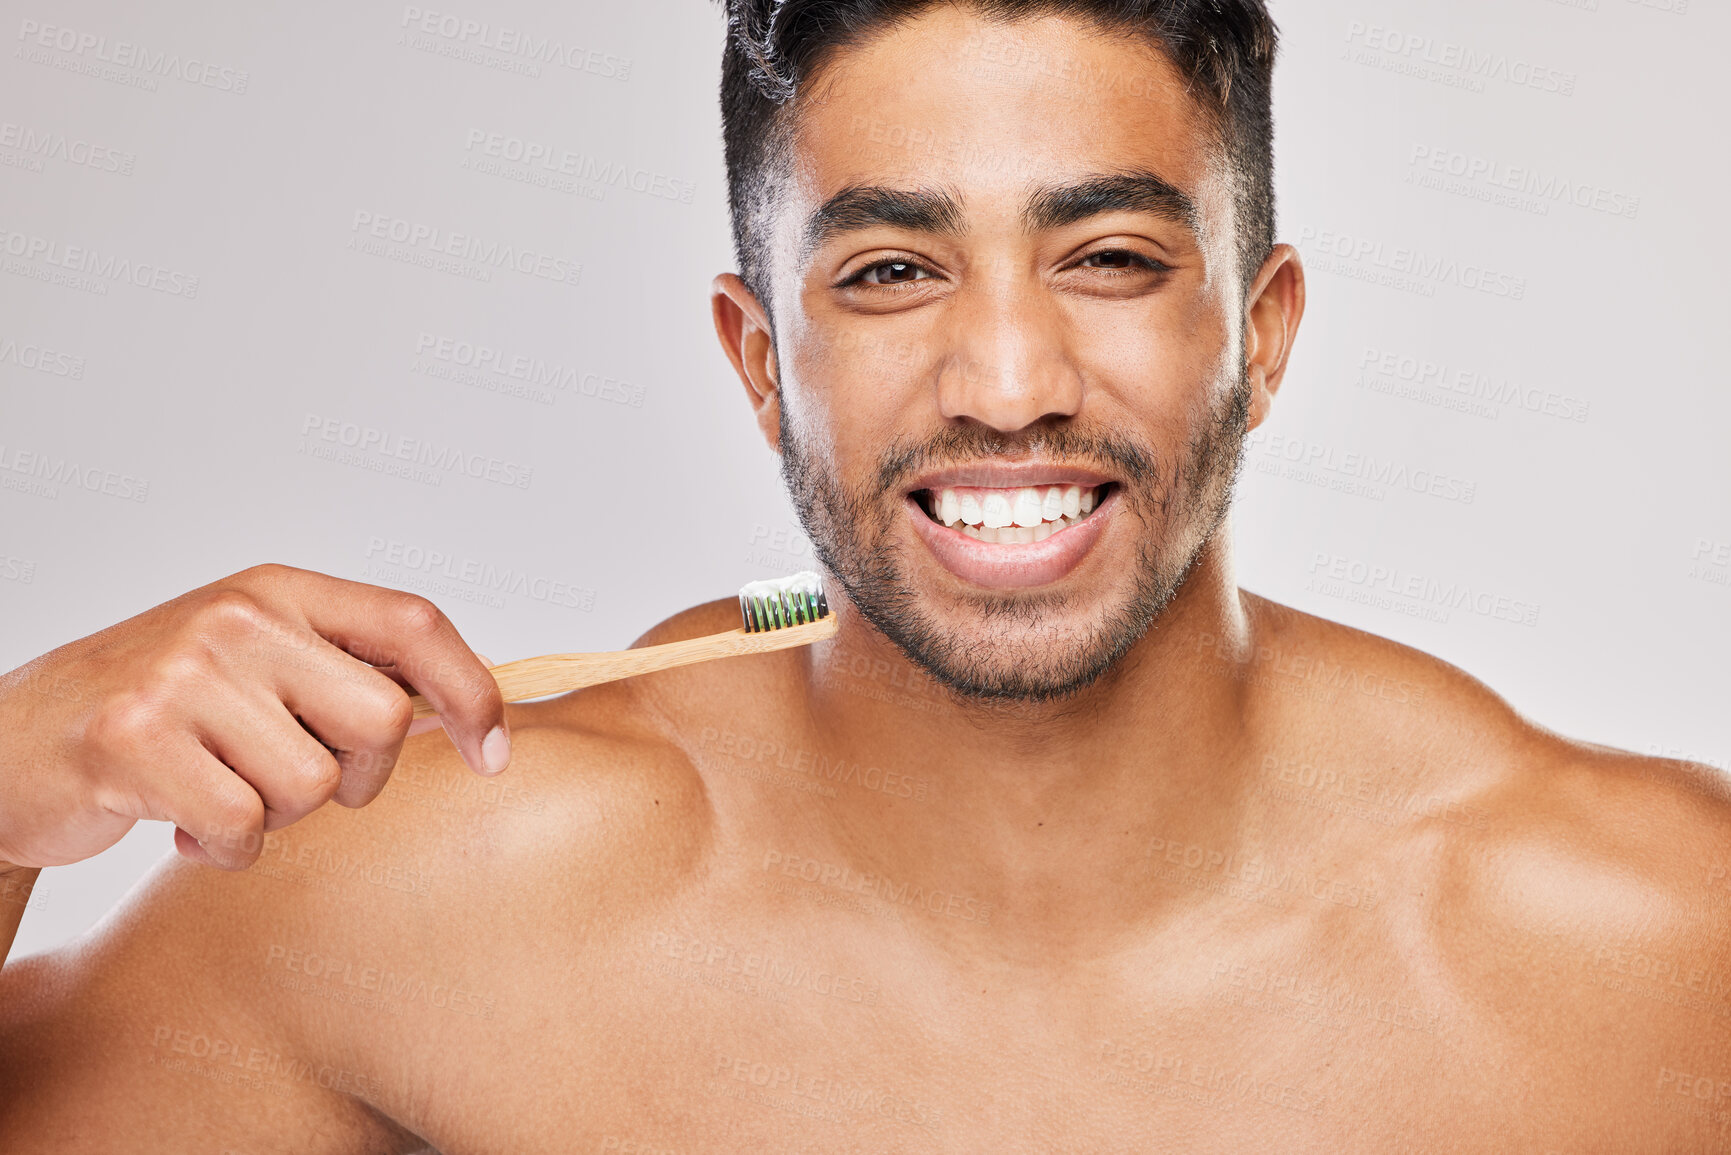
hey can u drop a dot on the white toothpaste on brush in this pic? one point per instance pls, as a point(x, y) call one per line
point(777, 602)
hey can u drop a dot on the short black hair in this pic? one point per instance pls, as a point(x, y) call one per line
point(1224, 49)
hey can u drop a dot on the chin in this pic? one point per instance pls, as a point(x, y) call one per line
point(1032, 649)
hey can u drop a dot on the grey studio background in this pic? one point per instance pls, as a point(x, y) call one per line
point(231, 324)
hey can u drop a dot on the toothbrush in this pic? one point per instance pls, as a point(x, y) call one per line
point(777, 614)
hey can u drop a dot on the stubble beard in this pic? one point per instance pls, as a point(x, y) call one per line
point(1021, 647)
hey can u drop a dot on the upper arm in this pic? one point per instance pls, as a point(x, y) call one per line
point(189, 1018)
point(159, 1031)
point(345, 990)
point(1588, 944)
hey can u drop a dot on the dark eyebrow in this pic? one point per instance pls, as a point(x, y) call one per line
point(1051, 206)
point(1136, 190)
point(860, 207)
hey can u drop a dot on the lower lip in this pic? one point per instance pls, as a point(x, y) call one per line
point(1004, 566)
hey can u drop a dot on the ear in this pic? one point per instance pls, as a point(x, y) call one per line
point(1270, 327)
point(743, 326)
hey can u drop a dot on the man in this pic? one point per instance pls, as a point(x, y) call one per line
point(1064, 842)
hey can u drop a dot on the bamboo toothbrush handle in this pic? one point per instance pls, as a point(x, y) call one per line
point(557, 673)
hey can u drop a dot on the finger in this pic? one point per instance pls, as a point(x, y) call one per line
point(433, 721)
point(188, 847)
point(407, 635)
point(260, 741)
point(155, 768)
point(220, 817)
point(356, 712)
point(423, 725)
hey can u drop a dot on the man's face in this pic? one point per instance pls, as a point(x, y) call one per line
point(1009, 343)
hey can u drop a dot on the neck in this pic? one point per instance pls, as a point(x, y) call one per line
point(1052, 809)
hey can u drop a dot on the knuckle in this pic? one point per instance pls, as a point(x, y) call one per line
point(233, 611)
point(268, 575)
point(314, 777)
point(395, 711)
point(174, 671)
point(418, 617)
point(128, 720)
point(234, 820)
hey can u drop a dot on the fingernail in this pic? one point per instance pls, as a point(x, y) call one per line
point(496, 750)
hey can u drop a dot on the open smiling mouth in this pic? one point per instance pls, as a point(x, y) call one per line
point(1018, 516)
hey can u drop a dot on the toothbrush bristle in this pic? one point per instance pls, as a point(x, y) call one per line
point(789, 601)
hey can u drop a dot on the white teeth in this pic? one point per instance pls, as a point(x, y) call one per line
point(1021, 516)
point(1052, 508)
point(949, 509)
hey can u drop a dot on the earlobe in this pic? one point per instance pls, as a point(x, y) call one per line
point(1271, 325)
point(1261, 397)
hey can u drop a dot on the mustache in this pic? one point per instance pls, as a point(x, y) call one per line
point(1061, 445)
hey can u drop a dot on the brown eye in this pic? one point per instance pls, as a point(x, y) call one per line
point(1121, 260)
point(886, 274)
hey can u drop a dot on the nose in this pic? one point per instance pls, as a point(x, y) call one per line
point(1009, 364)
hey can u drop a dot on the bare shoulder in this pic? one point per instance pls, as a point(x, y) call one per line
point(1535, 800)
point(1586, 930)
point(287, 992)
point(1576, 898)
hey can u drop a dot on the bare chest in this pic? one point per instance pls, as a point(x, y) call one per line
point(672, 1041)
